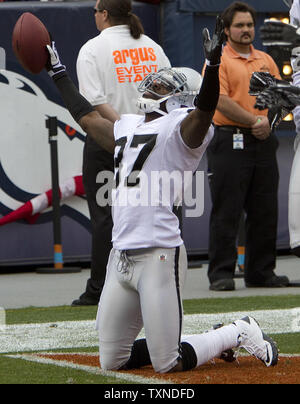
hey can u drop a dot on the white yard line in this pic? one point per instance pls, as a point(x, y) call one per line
point(77, 334)
point(271, 321)
point(129, 377)
point(2, 318)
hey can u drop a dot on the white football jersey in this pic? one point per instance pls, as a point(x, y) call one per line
point(151, 161)
point(295, 13)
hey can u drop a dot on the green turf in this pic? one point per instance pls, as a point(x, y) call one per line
point(68, 313)
point(15, 371)
point(288, 343)
point(50, 314)
point(232, 304)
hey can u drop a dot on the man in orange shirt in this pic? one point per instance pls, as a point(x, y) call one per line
point(242, 165)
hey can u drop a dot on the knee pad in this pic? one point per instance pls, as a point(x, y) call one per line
point(139, 355)
point(188, 356)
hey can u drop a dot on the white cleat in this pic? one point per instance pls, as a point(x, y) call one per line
point(256, 342)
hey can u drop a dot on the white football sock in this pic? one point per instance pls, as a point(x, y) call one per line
point(211, 344)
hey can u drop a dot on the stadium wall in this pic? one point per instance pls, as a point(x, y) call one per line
point(26, 100)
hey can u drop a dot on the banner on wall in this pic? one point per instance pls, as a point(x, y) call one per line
point(25, 166)
point(26, 101)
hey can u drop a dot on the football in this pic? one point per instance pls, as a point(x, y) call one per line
point(29, 40)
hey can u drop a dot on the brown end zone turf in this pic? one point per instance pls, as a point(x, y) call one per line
point(248, 370)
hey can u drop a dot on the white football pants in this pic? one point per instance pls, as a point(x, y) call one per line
point(294, 198)
point(142, 288)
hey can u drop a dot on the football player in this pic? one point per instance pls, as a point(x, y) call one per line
point(276, 33)
point(148, 263)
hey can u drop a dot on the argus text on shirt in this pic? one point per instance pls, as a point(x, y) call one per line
point(137, 64)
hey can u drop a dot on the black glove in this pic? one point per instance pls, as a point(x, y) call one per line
point(262, 80)
point(277, 33)
point(213, 46)
point(54, 65)
point(265, 100)
point(277, 97)
point(280, 100)
point(291, 96)
point(275, 116)
point(278, 108)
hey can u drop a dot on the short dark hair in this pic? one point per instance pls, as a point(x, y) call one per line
point(120, 12)
point(238, 6)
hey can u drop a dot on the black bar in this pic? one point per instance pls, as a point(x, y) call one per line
point(51, 124)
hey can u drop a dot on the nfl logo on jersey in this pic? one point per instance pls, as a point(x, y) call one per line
point(163, 258)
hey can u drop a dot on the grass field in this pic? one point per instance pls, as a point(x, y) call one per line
point(17, 371)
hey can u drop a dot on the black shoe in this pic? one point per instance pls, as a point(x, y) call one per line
point(85, 300)
point(222, 285)
point(272, 282)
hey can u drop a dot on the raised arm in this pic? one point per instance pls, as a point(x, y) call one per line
point(195, 126)
point(100, 129)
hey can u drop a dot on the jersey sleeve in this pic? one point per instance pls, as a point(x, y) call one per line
point(295, 13)
point(176, 145)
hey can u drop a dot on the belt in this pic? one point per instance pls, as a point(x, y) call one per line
point(235, 129)
point(137, 251)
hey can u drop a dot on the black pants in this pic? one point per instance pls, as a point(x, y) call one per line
point(242, 181)
point(95, 160)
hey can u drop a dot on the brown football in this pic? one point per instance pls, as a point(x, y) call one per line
point(29, 40)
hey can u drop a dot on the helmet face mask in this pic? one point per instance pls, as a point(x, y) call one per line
point(180, 86)
point(168, 78)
